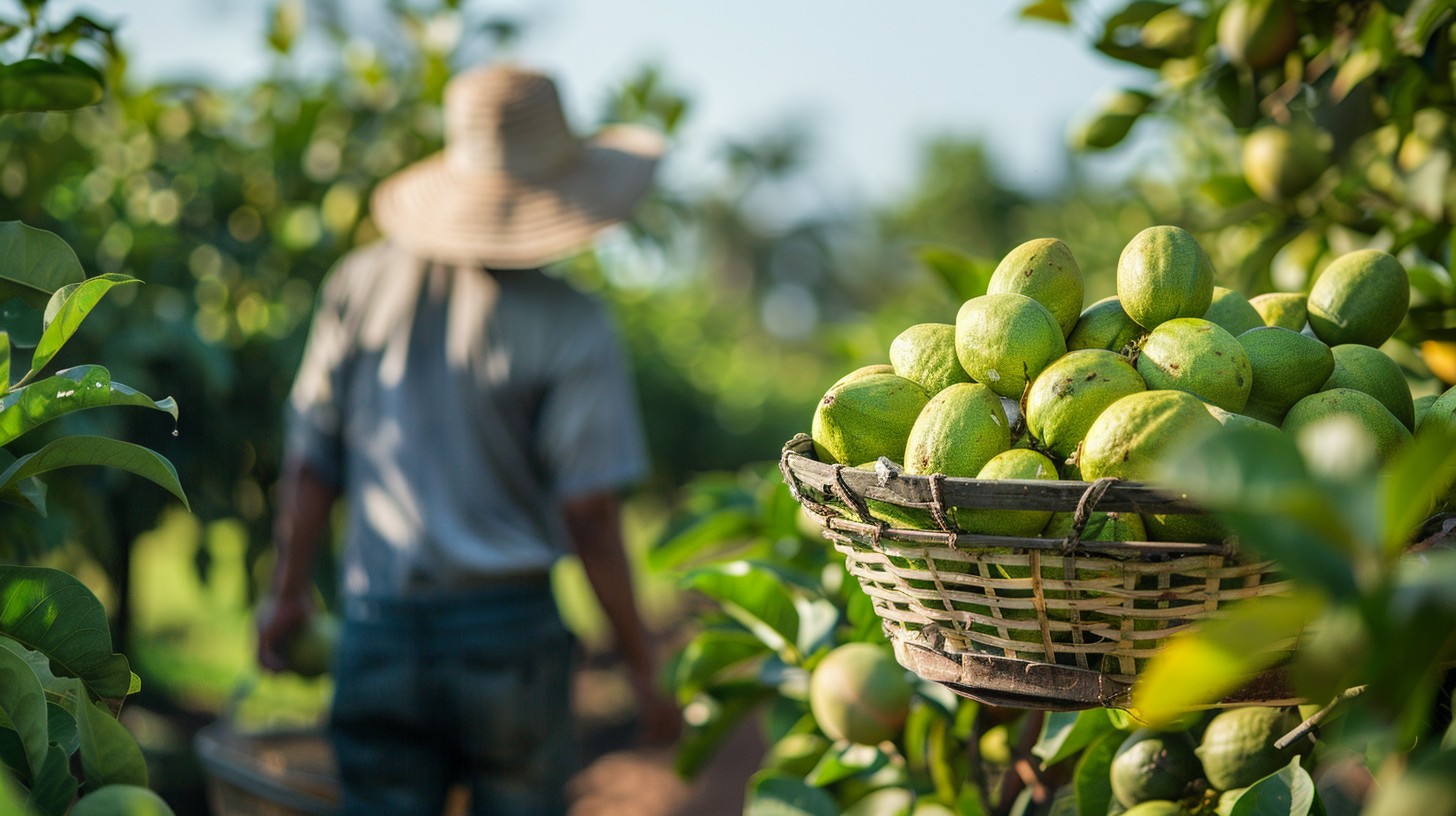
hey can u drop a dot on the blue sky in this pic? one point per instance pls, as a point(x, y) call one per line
point(871, 80)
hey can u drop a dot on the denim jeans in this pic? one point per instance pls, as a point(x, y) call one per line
point(474, 688)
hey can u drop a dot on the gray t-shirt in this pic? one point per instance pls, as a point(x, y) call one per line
point(455, 408)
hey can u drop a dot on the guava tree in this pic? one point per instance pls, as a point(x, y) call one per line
point(61, 685)
point(1292, 131)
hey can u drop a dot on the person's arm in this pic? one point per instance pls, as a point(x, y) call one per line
point(595, 524)
point(305, 501)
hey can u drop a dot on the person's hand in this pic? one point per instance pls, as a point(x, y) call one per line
point(278, 619)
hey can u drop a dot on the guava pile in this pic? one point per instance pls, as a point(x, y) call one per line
point(1029, 382)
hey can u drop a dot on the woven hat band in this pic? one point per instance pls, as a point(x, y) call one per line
point(507, 121)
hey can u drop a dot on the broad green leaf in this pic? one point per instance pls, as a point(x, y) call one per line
point(56, 688)
point(1226, 191)
point(710, 719)
point(1288, 792)
point(1200, 666)
point(883, 802)
point(966, 276)
point(62, 725)
point(35, 85)
point(72, 451)
point(37, 263)
point(726, 526)
point(1065, 733)
point(843, 760)
point(51, 612)
point(10, 795)
point(55, 787)
point(66, 310)
point(754, 595)
point(1422, 20)
point(818, 619)
point(109, 753)
point(23, 708)
point(1051, 11)
point(1115, 41)
point(1418, 475)
point(1090, 778)
point(4, 361)
point(709, 654)
point(775, 794)
point(72, 389)
point(12, 754)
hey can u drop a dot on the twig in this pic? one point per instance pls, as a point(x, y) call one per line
point(1302, 730)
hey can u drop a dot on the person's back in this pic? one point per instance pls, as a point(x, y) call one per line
point(477, 417)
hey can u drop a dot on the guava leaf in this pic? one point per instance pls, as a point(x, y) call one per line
point(711, 718)
point(41, 85)
point(717, 528)
point(966, 276)
point(843, 760)
point(23, 708)
point(771, 793)
point(1418, 475)
point(109, 753)
point(1287, 792)
point(62, 724)
point(1091, 778)
point(1051, 11)
point(755, 595)
point(65, 311)
point(1065, 733)
point(1200, 666)
point(51, 612)
point(72, 389)
point(55, 787)
point(37, 263)
point(710, 653)
point(93, 450)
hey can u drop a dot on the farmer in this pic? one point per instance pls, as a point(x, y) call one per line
point(478, 419)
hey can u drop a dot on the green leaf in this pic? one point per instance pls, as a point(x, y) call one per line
point(4, 361)
point(755, 595)
point(62, 725)
point(709, 654)
point(23, 708)
point(1423, 19)
point(94, 450)
point(1417, 476)
point(966, 276)
point(894, 801)
point(1200, 666)
point(51, 612)
point(711, 718)
point(1066, 733)
point(37, 263)
point(66, 310)
point(1090, 778)
point(1226, 191)
point(1120, 34)
point(55, 787)
point(725, 526)
point(775, 794)
point(10, 796)
point(1288, 792)
point(41, 85)
point(843, 760)
point(1051, 11)
point(72, 389)
point(109, 753)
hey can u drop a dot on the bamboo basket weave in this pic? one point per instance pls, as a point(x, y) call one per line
point(1059, 624)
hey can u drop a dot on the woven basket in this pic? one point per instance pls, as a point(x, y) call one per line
point(287, 773)
point(1059, 624)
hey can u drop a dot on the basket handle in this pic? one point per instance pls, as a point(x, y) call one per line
point(1085, 505)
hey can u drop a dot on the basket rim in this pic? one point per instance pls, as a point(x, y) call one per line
point(936, 492)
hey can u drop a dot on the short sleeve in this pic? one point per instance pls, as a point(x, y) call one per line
point(314, 414)
point(589, 431)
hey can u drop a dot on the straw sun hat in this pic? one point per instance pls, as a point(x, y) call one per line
point(514, 188)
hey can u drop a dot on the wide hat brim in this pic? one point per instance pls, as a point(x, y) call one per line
point(499, 220)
